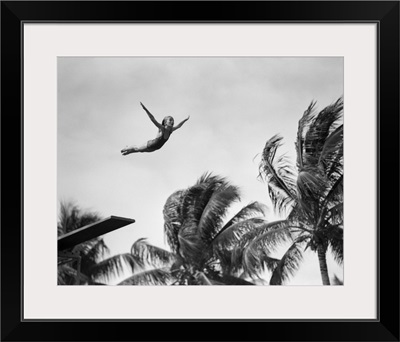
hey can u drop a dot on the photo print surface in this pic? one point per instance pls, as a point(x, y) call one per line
point(200, 171)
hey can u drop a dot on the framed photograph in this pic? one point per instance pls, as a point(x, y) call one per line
point(192, 156)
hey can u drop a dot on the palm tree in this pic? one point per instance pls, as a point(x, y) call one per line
point(199, 236)
point(89, 266)
point(309, 195)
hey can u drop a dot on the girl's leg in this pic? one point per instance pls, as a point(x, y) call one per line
point(134, 149)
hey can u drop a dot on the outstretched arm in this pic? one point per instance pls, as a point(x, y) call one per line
point(151, 116)
point(179, 125)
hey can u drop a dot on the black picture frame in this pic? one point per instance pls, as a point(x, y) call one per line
point(385, 13)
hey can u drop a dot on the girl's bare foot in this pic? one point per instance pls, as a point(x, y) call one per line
point(125, 151)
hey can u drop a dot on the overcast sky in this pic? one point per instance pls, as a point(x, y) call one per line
point(235, 106)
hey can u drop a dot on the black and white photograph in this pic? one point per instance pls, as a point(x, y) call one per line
point(200, 171)
point(200, 145)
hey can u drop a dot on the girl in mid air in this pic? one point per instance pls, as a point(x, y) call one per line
point(165, 129)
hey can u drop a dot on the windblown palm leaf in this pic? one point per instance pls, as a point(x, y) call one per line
point(93, 250)
point(153, 265)
point(289, 263)
point(278, 174)
point(304, 122)
point(319, 130)
point(112, 267)
point(71, 217)
point(333, 146)
point(215, 211)
point(173, 219)
point(151, 255)
point(253, 209)
point(66, 274)
point(336, 243)
point(260, 244)
point(231, 235)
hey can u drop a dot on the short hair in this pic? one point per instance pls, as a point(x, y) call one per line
point(166, 118)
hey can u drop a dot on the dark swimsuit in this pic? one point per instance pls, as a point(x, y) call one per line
point(156, 143)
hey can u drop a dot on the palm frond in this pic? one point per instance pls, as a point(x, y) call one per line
point(209, 178)
point(257, 233)
point(336, 243)
point(335, 193)
point(333, 144)
point(319, 130)
point(212, 192)
point(193, 202)
point(90, 253)
point(311, 186)
point(148, 254)
point(60, 230)
point(259, 243)
point(289, 262)
point(69, 275)
point(191, 246)
point(232, 234)
point(93, 250)
point(71, 217)
point(311, 183)
point(334, 169)
point(251, 210)
point(229, 236)
point(264, 262)
point(113, 266)
point(304, 122)
point(214, 212)
point(177, 265)
point(268, 262)
point(66, 275)
point(173, 219)
point(294, 215)
point(157, 276)
point(279, 175)
point(83, 248)
point(68, 217)
point(336, 214)
point(198, 197)
point(333, 197)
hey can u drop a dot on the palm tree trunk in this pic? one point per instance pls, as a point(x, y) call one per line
point(323, 266)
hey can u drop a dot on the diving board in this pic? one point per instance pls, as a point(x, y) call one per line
point(92, 231)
